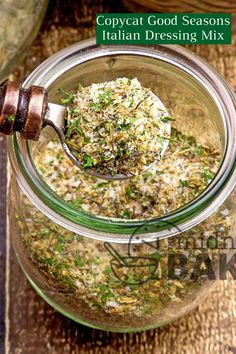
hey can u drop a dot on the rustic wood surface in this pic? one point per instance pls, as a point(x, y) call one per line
point(32, 326)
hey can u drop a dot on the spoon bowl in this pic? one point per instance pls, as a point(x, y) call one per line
point(56, 119)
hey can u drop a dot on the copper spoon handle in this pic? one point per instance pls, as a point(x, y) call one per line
point(22, 110)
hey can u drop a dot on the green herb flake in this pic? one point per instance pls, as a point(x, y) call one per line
point(160, 139)
point(107, 271)
point(88, 161)
point(11, 118)
point(167, 119)
point(106, 293)
point(131, 102)
point(147, 175)
point(100, 185)
point(184, 183)
point(198, 150)
point(95, 261)
point(80, 262)
point(212, 242)
point(69, 97)
point(79, 87)
point(42, 169)
point(208, 175)
point(105, 98)
point(133, 119)
point(77, 202)
point(126, 214)
point(59, 247)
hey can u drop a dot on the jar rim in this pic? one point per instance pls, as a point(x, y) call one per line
point(117, 230)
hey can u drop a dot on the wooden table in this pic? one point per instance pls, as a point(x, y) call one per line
point(27, 324)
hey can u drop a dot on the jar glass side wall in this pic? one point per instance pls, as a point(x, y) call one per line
point(119, 287)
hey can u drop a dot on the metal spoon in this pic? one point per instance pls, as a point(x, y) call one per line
point(27, 111)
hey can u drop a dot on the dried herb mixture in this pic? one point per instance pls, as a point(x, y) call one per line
point(116, 127)
point(183, 173)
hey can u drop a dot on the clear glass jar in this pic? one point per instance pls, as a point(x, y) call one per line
point(111, 273)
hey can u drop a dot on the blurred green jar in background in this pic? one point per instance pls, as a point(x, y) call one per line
point(20, 22)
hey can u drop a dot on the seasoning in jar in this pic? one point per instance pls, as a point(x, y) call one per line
point(116, 127)
point(80, 267)
point(183, 173)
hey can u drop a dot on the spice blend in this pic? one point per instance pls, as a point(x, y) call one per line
point(116, 127)
point(183, 173)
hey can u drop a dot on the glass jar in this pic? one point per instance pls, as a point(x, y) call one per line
point(127, 274)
